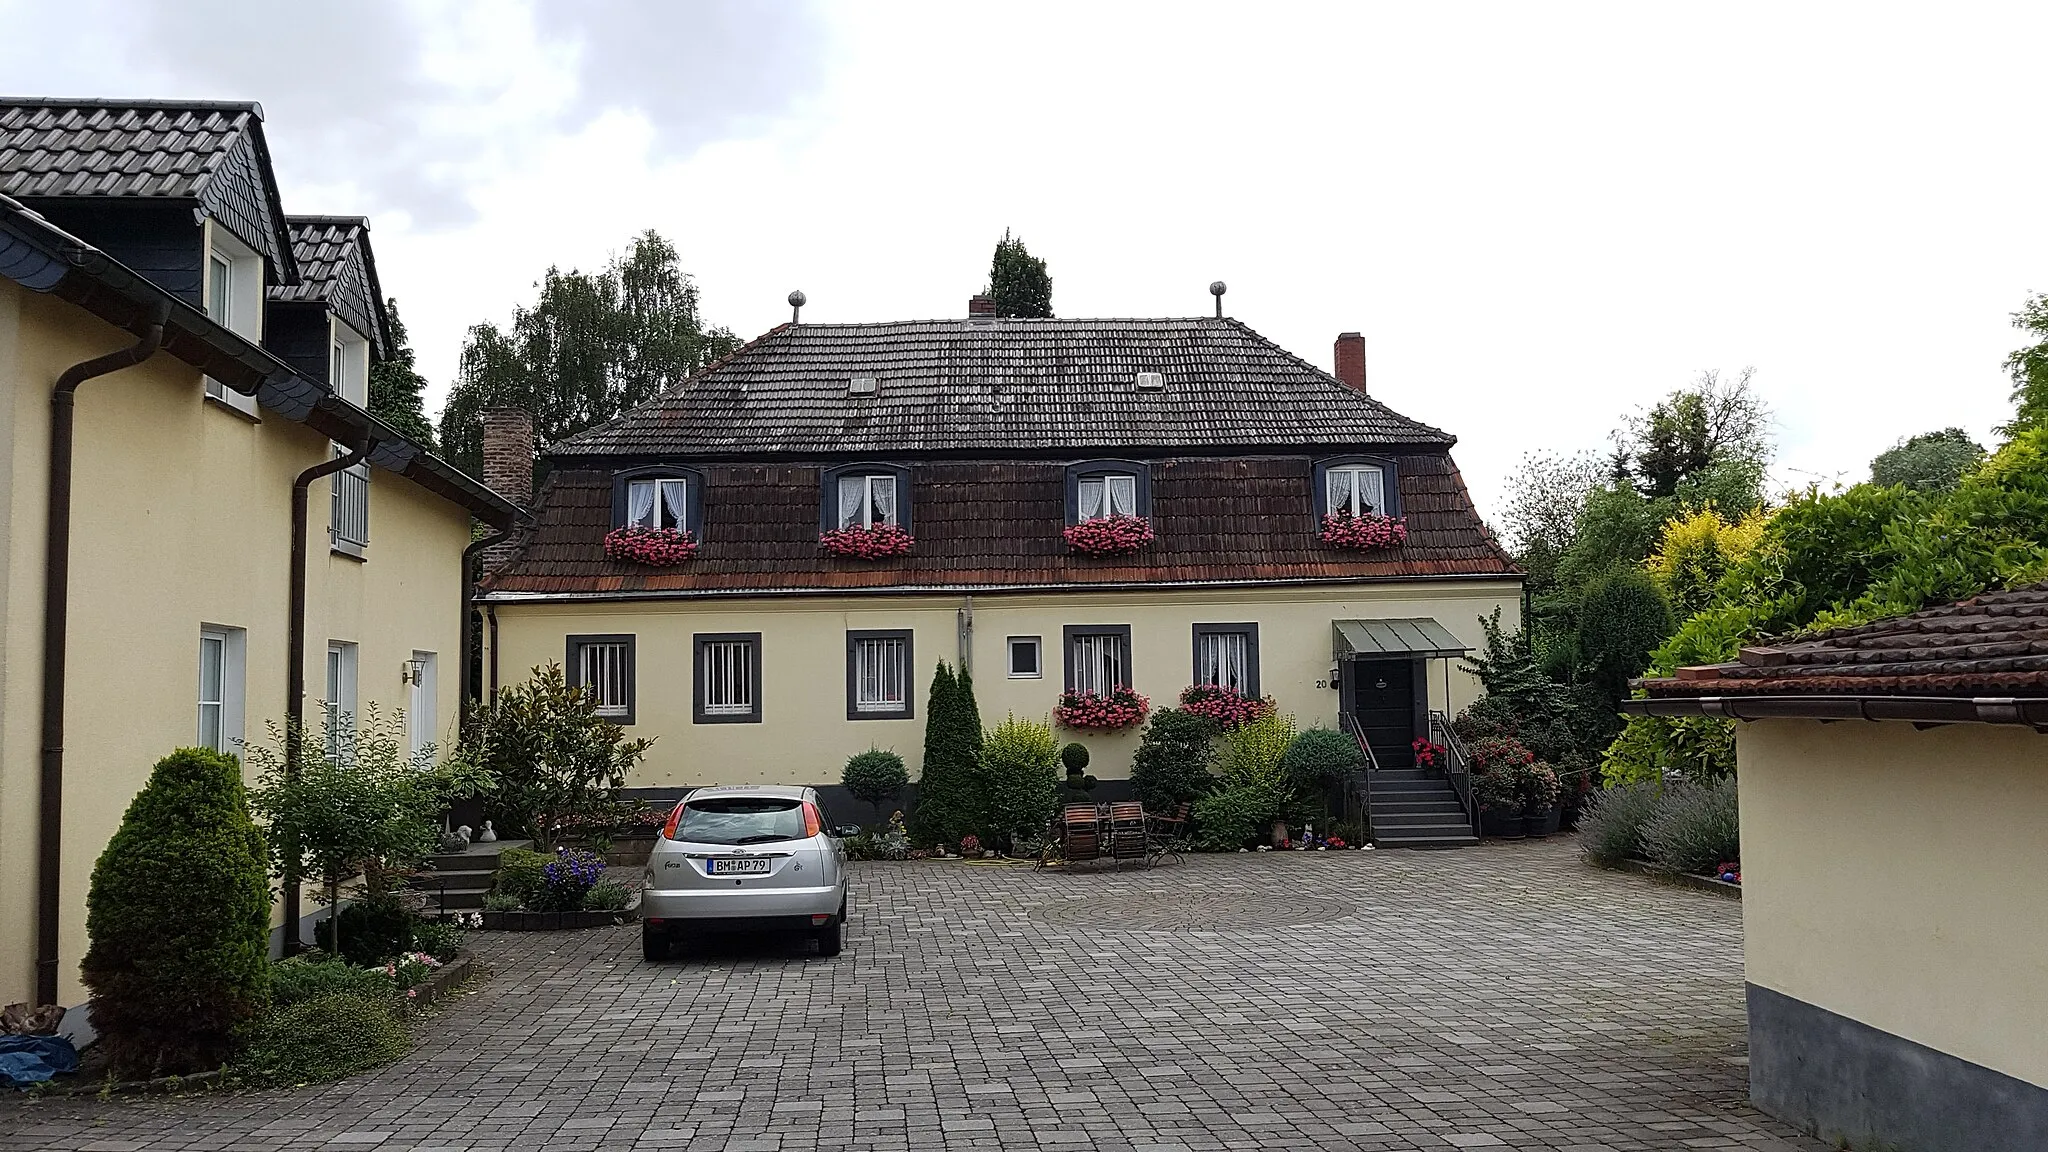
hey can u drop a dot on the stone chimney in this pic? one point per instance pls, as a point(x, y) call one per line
point(1351, 359)
point(981, 305)
point(508, 454)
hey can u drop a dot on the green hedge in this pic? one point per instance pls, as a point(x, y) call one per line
point(325, 1039)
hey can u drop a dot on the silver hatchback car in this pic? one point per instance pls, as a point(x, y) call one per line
point(745, 859)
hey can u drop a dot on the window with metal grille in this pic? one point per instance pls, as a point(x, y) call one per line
point(1228, 655)
point(1098, 657)
point(728, 678)
point(603, 667)
point(349, 521)
point(878, 668)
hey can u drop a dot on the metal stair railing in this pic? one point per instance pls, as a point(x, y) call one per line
point(1456, 766)
point(1349, 724)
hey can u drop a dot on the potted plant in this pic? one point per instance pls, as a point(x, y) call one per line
point(1540, 789)
point(1343, 530)
point(1500, 765)
point(1120, 707)
point(1109, 536)
point(877, 542)
point(654, 547)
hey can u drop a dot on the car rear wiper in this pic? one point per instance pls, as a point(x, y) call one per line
point(760, 838)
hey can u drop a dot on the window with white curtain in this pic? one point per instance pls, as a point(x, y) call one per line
point(1228, 655)
point(221, 685)
point(1355, 489)
point(603, 667)
point(1107, 494)
point(865, 501)
point(878, 668)
point(728, 678)
point(1098, 657)
point(658, 502)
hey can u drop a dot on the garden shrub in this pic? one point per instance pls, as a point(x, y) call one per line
point(1499, 789)
point(1694, 827)
point(1239, 814)
point(1319, 756)
point(1074, 758)
point(553, 759)
point(566, 880)
point(178, 915)
point(1611, 824)
point(326, 1038)
point(304, 978)
point(440, 939)
point(1172, 765)
point(1255, 790)
point(1020, 773)
point(874, 776)
point(607, 896)
point(948, 796)
point(520, 873)
point(373, 930)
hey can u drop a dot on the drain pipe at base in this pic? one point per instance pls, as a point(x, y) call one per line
point(56, 617)
point(295, 658)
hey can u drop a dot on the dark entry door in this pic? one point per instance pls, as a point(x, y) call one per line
point(1383, 702)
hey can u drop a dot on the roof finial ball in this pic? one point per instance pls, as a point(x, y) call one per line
point(796, 306)
point(1217, 288)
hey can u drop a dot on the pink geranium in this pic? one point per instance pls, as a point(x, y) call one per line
point(875, 543)
point(1110, 536)
point(1120, 707)
point(1228, 707)
point(1343, 530)
point(654, 547)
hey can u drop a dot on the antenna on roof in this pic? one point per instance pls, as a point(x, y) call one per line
point(1217, 288)
point(796, 306)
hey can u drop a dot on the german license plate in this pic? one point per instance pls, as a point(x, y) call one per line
point(736, 867)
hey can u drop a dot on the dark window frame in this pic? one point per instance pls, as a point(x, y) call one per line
point(1010, 663)
point(572, 667)
point(1249, 630)
point(828, 491)
point(1083, 468)
point(909, 638)
point(1069, 632)
point(697, 685)
point(693, 506)
point(1390, 478)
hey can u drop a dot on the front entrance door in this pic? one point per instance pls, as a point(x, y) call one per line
point(1383, 703)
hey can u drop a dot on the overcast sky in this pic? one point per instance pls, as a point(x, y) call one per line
point(1541, 216)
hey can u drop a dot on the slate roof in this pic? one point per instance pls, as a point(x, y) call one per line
point(1996, 643)
point(212, 152)
point(1010, 385)
point(336, 269)
point(997, 523)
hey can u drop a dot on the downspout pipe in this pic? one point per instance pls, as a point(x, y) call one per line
point(295, 653)
point(469, 696)
point(56, 618)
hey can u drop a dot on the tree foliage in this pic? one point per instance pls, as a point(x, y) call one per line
point(1713, 424)
point(2029, 369)
point(874, 776)
point(178, 915)
point(1017, 280)
point(1696, 551)
point(397, 390)
point(949, 796)
point(1020, 775)
point(549, 754)
point(1173, 761)
point(1929, 462)
point(591, 347)
point(1622, 619)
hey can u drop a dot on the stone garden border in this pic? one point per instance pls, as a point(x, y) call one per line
point(556, 921)
point(1712, 884)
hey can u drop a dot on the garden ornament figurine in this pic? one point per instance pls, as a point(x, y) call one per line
point(488, 836)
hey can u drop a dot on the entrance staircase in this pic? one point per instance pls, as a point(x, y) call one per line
point(459, 881)
point(1411, 806)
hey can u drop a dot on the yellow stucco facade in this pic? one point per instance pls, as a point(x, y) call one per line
point(181, 520)
point(1899, 878)
point(805, 737)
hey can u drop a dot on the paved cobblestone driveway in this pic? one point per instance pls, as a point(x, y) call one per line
point(1503, 996)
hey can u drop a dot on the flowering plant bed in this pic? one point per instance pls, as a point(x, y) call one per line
point(877, 543)
point(654, 547)
point(1228, 707)
point(1120, 707)
point(1343, 530)
point(1110, 536)
point(1427, 754)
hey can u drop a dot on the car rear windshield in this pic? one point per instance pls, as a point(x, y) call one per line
point(741, 820)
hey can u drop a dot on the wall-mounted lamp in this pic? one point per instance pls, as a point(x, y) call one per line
point(414, 671)
point(1335, 674)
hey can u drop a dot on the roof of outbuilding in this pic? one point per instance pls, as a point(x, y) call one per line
point(337, 269)
point(1009, 385)
point(1993, 643)
point(204, 150)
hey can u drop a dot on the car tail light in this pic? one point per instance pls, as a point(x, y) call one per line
point(668, 830)
point(818, 921)
point(813, 823)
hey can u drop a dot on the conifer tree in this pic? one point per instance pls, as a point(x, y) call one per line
point(1018, 281)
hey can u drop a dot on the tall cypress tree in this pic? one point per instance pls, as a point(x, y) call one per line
point(1018, 281)
point(928, 818)
point(948, 798)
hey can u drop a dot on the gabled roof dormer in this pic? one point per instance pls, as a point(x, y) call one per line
point(332, 324)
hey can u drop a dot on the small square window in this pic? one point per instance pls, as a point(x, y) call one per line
point(1024, 658)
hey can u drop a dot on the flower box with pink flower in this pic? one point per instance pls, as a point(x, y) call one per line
point(1120, 707)
point(879, 542)
point(1226, 706)
point(654, 547)
point(1109, 535)
point(1371, 530)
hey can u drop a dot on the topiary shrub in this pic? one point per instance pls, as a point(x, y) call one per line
point(1020, 773)
point(1074, 758)
point(1611, 824)
point(178, 914)
point(1694, 827)
point(302, 978)
point(373, 930)
point(1319, 756)
point(874, 776)
point(521, 873)
point(325, 1039)
point(1172, 765)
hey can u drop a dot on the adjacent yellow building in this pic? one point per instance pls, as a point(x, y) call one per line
point(182, 474)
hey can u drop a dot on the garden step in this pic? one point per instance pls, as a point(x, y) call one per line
point(454, 880)
point(454, 900)
point(1441, 806)
point(1420, 820)
point(476, 856)
point(1382, 787)
point(1447, 840)
point(1407, 774)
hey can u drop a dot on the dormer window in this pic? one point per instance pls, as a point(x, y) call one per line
point(234, 300)
point(348, 364)
point(659, 497)
point(863, 496)
point(1100, 489)
point(1357, 486)
point(865, 501)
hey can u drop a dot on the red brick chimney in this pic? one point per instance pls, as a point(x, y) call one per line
point(508, 466)
point(981, 305)
point(1351, 359)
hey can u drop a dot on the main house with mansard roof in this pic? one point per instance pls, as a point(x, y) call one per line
point(1057, 505)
